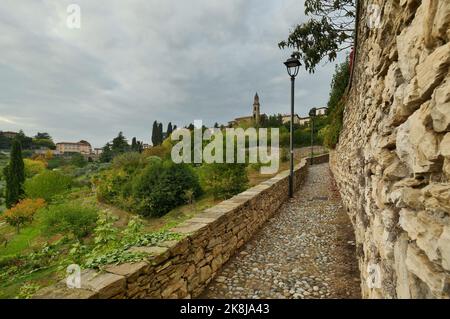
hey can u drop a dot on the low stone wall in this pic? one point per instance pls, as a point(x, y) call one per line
point(183, 269)
point(319, 159)
point(392, 162)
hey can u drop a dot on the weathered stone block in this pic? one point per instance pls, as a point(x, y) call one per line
point(105, 284)
point(437, 281)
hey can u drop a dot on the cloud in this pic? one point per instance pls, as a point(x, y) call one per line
point(133, 62)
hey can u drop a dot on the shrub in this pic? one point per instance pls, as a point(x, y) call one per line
point(224, 180)
point(162, 151)
point(161, 187)
point(46, 185)
point(23, 212)
point(72, 218)
point(112, 184)
point(129, 161)
point(78, 160)
point(33, 167)
point(56, 162)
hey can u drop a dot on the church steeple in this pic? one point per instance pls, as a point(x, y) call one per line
point(256, 110)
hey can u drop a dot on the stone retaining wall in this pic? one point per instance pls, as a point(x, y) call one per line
point(392, 162)
point(182, 269)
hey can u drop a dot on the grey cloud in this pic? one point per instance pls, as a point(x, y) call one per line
point(137, 61)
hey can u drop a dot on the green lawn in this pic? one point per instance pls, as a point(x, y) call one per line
point(19, 242)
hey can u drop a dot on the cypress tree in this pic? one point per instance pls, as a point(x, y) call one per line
point(134, 146)
point(15, 175)
point(160, 134)
point(155, 133)
point(169, 129)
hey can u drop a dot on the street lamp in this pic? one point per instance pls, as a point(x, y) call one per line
point(292, 65)
point(312, 114)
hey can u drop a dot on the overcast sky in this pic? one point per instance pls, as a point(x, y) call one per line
point(136, 61)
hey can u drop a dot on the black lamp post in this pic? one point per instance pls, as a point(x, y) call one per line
point(292, 65)
point(312, 114)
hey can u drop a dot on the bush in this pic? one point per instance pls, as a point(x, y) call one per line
point(224, 180)
point(129, 161)
point(46, 185)
point(33, 167)
point(70, 218)
point(56, 162)
point(78, 160)
point(23, 212)
point(161, 151)
point(336, 104)
point(161, 187)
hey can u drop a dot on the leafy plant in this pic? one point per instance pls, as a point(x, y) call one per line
point(28, 290)
point(133, 229)
point(72, 218)
point(105, 232)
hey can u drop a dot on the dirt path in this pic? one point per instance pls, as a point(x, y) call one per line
point(305, 251)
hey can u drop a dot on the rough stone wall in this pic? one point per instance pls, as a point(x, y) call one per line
point(183, 269)
point(392, 163)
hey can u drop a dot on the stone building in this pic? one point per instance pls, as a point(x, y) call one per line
point(254, 119)
point(82, 147)
point(9, 134)
point(320, 111)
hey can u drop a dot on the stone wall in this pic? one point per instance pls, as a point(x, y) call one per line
point(392, 163)
point(183, 269)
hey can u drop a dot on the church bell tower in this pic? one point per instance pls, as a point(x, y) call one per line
point(256, 111)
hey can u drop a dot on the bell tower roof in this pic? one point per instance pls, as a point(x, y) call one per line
point(256, 100)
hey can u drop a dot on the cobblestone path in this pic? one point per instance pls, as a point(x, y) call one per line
point(305, 251)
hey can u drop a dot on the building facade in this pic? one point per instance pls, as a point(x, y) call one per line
point(82, 147)
point(321, 111)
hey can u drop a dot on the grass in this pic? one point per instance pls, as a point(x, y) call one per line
point(19, 243)
point(171, 219)
point(45, 277)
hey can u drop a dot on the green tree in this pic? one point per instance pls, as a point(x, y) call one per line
point(119, 144)
point(160, 134)
point(47, 185)
point(169, 129)
point(329, 31)
point(5, 143)
point(43, 140)
point(43, 136)
point(107, 155)
point(161, 187)
point(155, 133)
point(14, 173)
point(25, 141)
point(134, 145)
point(78, 160)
